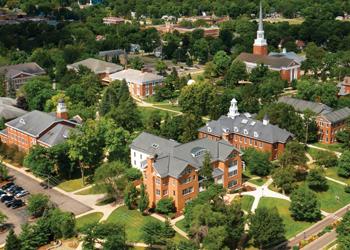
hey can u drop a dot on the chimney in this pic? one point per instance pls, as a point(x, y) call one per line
point(266, 120)
point(62, 112)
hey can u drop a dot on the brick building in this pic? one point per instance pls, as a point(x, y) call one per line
point(171, 169)
point(328, 121)
point(141, 84)
point(289, 69)
point(38, 128)
point(243, 131)
point(17, 75)
point(113, 20)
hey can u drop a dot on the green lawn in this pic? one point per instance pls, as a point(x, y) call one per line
point(259, 181)
point(88, 191)
point(292, 227)
point(333, 173)
point(145, 112)
point(334, 147)
point(246, 202)
point(87, 219)
point(181, 224)
point(328, 199)
point(169, 106)
point(247, 175)
point(313, 152)
point(134, 221)
point(71, 185)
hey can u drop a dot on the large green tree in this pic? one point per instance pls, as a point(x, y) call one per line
point(344, 164)
point(294, 155)
point(343, 232)
point(257, 162)
point(285, 178)
point(12, 241)
point(304, 205)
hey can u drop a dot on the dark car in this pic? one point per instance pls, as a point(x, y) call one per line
point(10, 189)
point(17, 203)
point(8, 203)
point(7, 185)
point(17, 190)
point(2, 192)
point(6, 198)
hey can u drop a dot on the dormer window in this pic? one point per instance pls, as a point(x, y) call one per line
point(235, 129)
point(245, 132)
point(209, 129)
point(22, 121)
point(226, 130)
point(155, 145)
point(244, 121)
point(256, 134)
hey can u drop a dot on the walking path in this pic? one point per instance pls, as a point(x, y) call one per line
point(324, 149)
point(334, 180)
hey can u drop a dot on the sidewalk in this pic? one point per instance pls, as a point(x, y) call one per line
point(324, 149)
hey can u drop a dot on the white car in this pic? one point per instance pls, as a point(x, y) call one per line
point(22, 193)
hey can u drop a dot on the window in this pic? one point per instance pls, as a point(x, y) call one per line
point(250, 141)
point(255, 143)
point(232, 173)
point(187, 180)
point(141, 156)
point(240, 138)
point(260, 144)
point(187, 191)
point(157, 192)
point(157, 180)
point(187, 171)
point(174, 182)
point(134, 154)
point(165, 192)
point(174, 193)
point(134, 162)
point(232, 183)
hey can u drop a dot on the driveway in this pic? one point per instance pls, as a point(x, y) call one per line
point(17, 217)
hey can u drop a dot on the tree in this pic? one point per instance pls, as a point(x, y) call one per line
point(37, 204)
point(40, 161)
point(343, 232)
point(153, 122)
point(266, 228)
point(161, 67)
point(130, 196)
point(165, 206)
point(304, 205)
point(206, 171)
point(314, 58)
point(201, 50)
point(284, 178)
point(316, 180)
point(187, 245)
point(258, 74)
point(143, 201)
point(309, 120)
point(344, 164)
point(221, 63)
point(235, 73)
point(3, 219)
point(51, 104)
point(326, 159)
point(4, 173)
point(12, 242)
point(215, 240)
point(190, 125)
point(136, 63)
point(152, 233)
point(110, 177)
point(294, 155)
point(257, 162)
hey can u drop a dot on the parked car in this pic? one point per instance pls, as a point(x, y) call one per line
point(13, 187)
point(17, 203)
point(7, 185)
point(6, 198)
point(8, 203)
point(17, 190)
point(21, 194)
point(44, 185)
point(2, 192)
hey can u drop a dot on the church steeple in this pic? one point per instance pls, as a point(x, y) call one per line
point(260, 43)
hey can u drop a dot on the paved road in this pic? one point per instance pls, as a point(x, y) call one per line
point(17, 217)
point(318, 227)
point(322, 242)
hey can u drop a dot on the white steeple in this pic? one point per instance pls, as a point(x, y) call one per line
point(233, 112)
point(260, 34)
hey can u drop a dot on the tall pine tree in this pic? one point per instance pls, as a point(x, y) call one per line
point(12, 242)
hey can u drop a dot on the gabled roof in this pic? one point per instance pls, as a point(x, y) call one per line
point(35, 123)
point(172, 158)
point(245, 125)
point(270, 61)
point(9, 112)
point(338, 115)
point(96, 66)
point(302, 105)
point(55, 135)
point(136, 76)
point(290, 55)
point(12, 71)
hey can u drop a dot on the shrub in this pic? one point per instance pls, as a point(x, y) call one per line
point(19, 157)
point(347, 189)
point(165, 206)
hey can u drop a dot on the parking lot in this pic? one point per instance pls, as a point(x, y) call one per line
point(17, 217)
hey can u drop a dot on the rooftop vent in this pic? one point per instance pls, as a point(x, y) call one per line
point(22, 121)
point(155, 145)
point(245, 132)
point(244, 121)
point(252, 123)
point(226, 130)
point(256, 134)
point(235, 129)
point(209, 129)
point(248, 115)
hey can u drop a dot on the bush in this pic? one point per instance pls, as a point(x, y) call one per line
point(133, 174)
point(10, 152)
point(316, 180)
point(165, 206)
point(347, 189)
point(19, 157)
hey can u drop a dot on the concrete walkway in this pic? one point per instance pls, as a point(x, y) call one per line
point(324, 149)
point(334, 180)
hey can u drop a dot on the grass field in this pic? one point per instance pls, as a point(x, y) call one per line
point(292, 227)
point(281, 19)
point(334, 198)
point(258, 182)
point(87, 219)
point(88, 191)
point(134, 221)
point(247, 202)
point(313, 152)
point(71, 185)
point(169, 106)
point(333, 147)
point(181, 224)
point(147, 111)
point(333, 173)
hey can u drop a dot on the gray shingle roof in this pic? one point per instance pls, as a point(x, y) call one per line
point(136, 76)
point(9, 112)
point(290, 55)
point(302, 105)
point(35, 122)
point(96, 66)
point(12, 71)
point(173, 157)
point(271, 61)
point(338, 115)
point(56, 135)
point(248, 127)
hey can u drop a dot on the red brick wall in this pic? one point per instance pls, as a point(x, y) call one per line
point(327, 131)
point(260, 50)
point(23, 141)
point(285, 75)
